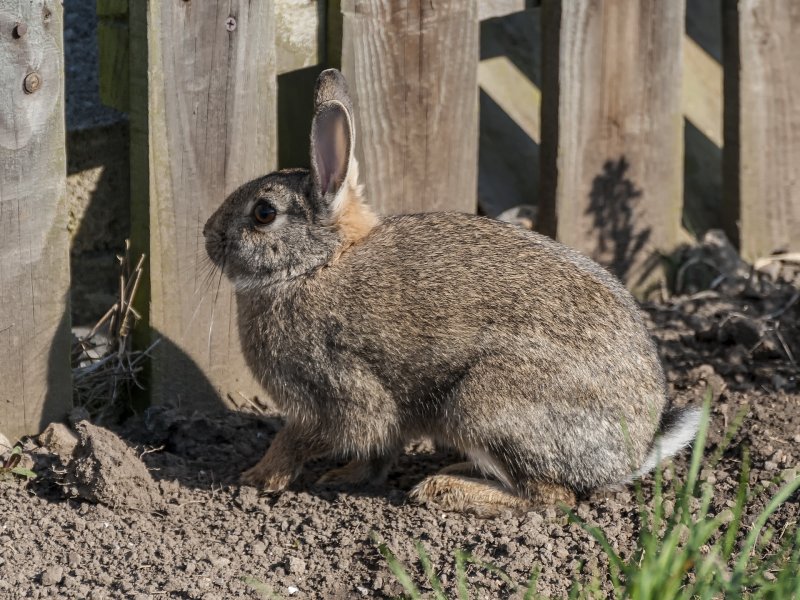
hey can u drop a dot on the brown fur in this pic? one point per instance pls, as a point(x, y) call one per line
point(368, 332)
point(355, 219)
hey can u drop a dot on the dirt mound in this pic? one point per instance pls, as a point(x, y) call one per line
point(106, 470)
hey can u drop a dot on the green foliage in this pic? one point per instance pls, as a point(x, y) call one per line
point(11, 468)
point(689, 553)
point(462, 560)
point(261, 588)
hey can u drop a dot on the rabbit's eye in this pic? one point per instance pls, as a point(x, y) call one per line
point(263, 213)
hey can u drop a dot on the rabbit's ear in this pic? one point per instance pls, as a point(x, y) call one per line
point(332, 135)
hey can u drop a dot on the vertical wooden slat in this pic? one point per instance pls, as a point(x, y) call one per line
point(35, 385)
point(761, 158)
point(612, 130)
point(209, 126)
point(412, 70)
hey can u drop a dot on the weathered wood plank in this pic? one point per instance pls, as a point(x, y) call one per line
point(612, 130)
point(412, 70)
point(209, 126)
point(34, 244)
point(761, 157)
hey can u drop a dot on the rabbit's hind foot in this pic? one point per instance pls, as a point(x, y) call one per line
point(542, 494)
point(480, 497)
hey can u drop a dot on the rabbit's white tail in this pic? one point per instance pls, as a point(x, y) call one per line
point(678, 430)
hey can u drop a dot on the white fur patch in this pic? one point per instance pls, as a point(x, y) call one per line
point(488, 465)
point(673, 440)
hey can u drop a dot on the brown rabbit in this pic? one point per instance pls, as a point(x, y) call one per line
point(367, 331)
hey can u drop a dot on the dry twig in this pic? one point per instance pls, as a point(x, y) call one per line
point(105, 368)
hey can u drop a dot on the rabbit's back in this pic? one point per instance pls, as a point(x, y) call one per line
point(439, 289)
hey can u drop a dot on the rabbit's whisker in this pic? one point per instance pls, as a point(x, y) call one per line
point(214, 305)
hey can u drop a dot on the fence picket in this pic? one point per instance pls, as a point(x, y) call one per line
point(34, 244)
point(761, 156)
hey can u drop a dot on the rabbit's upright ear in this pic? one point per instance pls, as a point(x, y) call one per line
point(332, 136)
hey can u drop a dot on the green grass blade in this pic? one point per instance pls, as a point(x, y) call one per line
point(533, 580)
point(461, 575)
point(738, 509)
point(616, 564)
point(688, 489)
point(430, 573)
point(783, 494)
point(399, 571)
point(261, 588)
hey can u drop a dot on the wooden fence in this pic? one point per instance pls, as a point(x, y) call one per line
point(204, 83)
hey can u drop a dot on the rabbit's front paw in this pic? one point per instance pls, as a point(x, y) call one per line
point(353, 473)
point(269, 480)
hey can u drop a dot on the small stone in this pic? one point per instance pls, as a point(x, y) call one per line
point(52, 576)
point(258, 547)
point(292, 590)
point(73, 559)
point(779, 456)
point(219, 561)
point(59, 439)
point(295, 566)
point(190, 568)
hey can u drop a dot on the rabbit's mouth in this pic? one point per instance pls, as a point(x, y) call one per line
point(217, 249)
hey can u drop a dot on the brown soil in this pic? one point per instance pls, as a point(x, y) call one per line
point(99, 524)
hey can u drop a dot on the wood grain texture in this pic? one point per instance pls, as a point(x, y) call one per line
point(209, 126)
point(412, 71)
point(612, 131)
point(34, 244)
point(761, 159)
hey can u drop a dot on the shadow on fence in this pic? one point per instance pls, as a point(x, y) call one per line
point(612, 202)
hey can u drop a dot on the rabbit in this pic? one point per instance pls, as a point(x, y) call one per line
point(370, 331)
